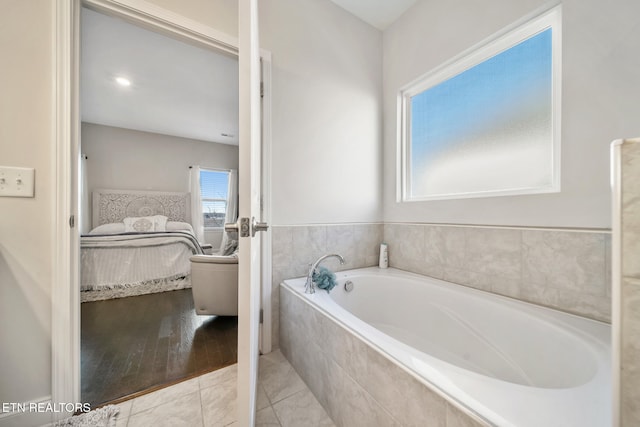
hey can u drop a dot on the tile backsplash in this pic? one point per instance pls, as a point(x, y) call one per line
point(295, 247)
point(629, 286)
point(563, 269)
point(569, 270)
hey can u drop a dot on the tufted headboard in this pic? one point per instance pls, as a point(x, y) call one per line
point(115, 205)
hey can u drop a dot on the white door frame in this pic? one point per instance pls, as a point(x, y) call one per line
point(65, 335)
point(249, 203)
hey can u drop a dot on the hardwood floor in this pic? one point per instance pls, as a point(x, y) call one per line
point(137, 343)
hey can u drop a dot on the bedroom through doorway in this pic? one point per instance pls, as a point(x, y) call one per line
point(159, 144)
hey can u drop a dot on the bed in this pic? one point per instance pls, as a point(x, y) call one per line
point(140, 243)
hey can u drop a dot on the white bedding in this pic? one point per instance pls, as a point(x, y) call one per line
point(116, 265)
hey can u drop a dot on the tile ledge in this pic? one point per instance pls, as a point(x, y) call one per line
point(508, 227)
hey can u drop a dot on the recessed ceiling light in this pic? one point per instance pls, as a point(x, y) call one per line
point(123, 81)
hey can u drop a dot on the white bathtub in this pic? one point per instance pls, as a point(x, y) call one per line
point(509, 362)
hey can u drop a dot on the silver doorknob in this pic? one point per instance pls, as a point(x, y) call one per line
point(257, 226)
point(230, 227)
point(242, 227)
point(245, 228)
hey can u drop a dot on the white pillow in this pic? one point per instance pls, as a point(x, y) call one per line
point(160, 223)
point(145, 223)
point(113, 228)
point(179, 226)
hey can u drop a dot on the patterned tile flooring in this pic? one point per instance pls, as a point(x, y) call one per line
point(283, 400)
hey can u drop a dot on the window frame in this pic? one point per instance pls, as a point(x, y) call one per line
point(499, 42)
point(203, 199)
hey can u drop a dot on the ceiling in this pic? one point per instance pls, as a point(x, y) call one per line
point(176, 88)
point(379, 13)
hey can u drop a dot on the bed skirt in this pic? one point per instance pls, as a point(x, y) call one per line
point(135, 289)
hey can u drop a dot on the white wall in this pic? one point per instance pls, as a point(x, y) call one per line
point(599, 103)
point(125, 159)
point(26, 225)
point(327, 76)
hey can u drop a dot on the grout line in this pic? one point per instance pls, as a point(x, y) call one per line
point(201, 405)
point(276, 414)
point(265, 393)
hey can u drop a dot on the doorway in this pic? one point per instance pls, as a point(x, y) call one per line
point(66, 363)
point(152, 107)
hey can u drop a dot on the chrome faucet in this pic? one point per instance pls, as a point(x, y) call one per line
point(309, 286)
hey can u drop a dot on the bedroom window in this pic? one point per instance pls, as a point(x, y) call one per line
point(486, 123)
point(214, 188)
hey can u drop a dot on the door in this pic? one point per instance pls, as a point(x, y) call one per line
point(249, 193)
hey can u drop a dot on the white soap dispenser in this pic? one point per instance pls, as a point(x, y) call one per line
point(384, 256)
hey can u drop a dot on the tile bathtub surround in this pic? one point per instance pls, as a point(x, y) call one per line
point(563, 269)
point(283, 400)
point(355, 384)
point(630, 284)
point(295, 247)
point(631, 208)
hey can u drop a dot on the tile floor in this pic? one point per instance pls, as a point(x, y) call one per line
point(210, 400)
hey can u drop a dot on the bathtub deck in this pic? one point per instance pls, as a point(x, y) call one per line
point(391, 379)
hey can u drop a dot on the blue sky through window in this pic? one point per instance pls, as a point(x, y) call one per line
point(214, 187)
point(502, 99)
point(214, 184)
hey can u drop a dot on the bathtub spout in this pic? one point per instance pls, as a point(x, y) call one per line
point(310, 286)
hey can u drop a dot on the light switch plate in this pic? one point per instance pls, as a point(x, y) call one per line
point(17, 182)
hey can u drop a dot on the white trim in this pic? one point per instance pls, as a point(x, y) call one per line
point(65, 40)
point(500, 42)
point(65, 298)
point(143, 13)
point(267, 314)
point(204, 168)
point(616, 279)
point(401, 156)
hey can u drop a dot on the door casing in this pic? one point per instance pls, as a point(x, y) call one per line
point(65, 339)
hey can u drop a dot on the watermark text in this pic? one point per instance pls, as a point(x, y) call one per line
point(12, 407)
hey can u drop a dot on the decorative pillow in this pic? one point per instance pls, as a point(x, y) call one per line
point(160, 222)
point(113, 228)
point(139, 224)
point(145, 224)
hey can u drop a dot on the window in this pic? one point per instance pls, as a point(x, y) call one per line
point(214, 187)
point(486, 124)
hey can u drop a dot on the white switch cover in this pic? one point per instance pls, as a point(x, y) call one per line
point(17, 182)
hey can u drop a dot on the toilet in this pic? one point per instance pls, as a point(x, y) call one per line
point(214, 284)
